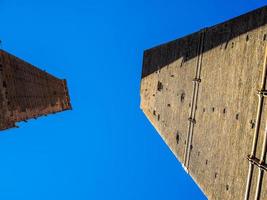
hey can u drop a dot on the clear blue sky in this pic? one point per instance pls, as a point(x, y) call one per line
point(105, 148)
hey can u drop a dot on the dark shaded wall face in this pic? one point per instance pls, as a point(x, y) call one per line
point(4, 121)
point(29, 91)
point(160, 56)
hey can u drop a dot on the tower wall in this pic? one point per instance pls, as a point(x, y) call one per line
point(200, 93)
point(28, 92)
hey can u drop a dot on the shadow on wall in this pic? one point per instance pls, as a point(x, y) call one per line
point(160, 56)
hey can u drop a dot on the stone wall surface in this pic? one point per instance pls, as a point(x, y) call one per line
point(200, 93)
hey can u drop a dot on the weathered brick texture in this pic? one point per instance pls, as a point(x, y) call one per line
point(27, 92)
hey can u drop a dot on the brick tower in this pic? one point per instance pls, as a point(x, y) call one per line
point(27, 92)
point(206, 94)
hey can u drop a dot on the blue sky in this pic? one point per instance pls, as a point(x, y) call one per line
point(105, 148)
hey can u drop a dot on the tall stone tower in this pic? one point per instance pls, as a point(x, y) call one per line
point(206, 94)
point(27, 92)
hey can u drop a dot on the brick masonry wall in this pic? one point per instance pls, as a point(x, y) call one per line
point(28, 92)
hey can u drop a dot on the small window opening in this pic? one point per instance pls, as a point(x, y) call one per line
point(177, 138)
point(182, 97)
point(160, 86)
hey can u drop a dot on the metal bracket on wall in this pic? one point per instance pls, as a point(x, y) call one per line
point(262, 93)
point(197, 80)
point(257, 162)
point(192, 120)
